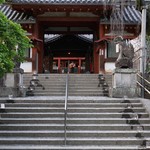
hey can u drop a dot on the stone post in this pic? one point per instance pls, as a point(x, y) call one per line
point(13, 84)
point(124, 83)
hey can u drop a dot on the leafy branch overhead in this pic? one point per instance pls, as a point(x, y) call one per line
point(13, 44)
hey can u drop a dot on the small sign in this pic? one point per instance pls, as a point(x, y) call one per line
point(147, 144)
point(10, 96)
point(2, 106)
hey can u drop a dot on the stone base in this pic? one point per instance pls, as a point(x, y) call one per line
point(6, 91)
point(124, 83)
point(12, 85)
point(15, 92)
point(121, 92)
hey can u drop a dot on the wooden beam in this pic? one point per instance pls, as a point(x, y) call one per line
point(68, 19)
point(59, 8)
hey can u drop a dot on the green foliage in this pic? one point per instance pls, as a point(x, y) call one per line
point(148, 54)
point(139, 4)
point(2, 1)
point(13, 44)
point(148, 21)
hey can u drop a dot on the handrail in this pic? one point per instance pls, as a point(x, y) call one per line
point(141, 84)
point(143, 78)
point(65, 109)
point(143, 87)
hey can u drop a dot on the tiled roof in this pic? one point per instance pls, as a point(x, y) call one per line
point(53, 37)
point(129, 15)
point(16, 16)
point(60, 1)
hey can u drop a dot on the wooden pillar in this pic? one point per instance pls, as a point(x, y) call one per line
point(34, 56)
point(99, 51)
point(101, 31)
point(101, 59)
point(96, 59)
point(79, 66)
point(59, 67)
point(95, 53)
point(40, 50)
point(38, 34)
point(40, 59)
point(50, 62)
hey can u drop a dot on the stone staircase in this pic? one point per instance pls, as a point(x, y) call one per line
point(86, 85)
point(93, 123)
point(79, 85)
point(54, 84)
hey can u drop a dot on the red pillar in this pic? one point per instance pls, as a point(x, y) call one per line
point(96, 59)
point(99, 59)
point(102, 59)
point(79, 66)
point(40, 50)
point(34, 55)
point(102, 48)
point(38, 34)
point(59, 67)
point(101, 31)
point(40, 58)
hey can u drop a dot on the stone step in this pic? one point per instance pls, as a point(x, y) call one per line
point(75, 134)
point(106, 134)
point(31, 140)
point(30, 127)
point(59, 120)
point(32, 133)
point(48, 84)
point(71, 94)
point(87, 94)
point(85, 90)
point(106, 141)
point(31, 99)
point(60, 104)
point(71, 115)
point(44, 81)
point(40, 93)
point(106, 127)
point(72, 109)
point(110, 110)
point(72, 127)
point(72, 141)
point(71, 147)
point(51, 90)
point(57, 99)
point(96, 105)
point(105, 100)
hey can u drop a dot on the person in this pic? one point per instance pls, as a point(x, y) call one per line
point(71, 66)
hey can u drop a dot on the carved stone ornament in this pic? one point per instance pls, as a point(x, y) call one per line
point(126, 54)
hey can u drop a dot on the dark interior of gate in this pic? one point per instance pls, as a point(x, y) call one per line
point(63, 49)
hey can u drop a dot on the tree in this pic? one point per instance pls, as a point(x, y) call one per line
point(139, 4)
point(148, 55)
point(2, 1)
point(13, 44)
point(148, 21)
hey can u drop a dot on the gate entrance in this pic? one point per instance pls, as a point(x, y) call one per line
point(62, 50)
point(68, 19)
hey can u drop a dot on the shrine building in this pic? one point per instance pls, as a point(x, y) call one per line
point(79, 31)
